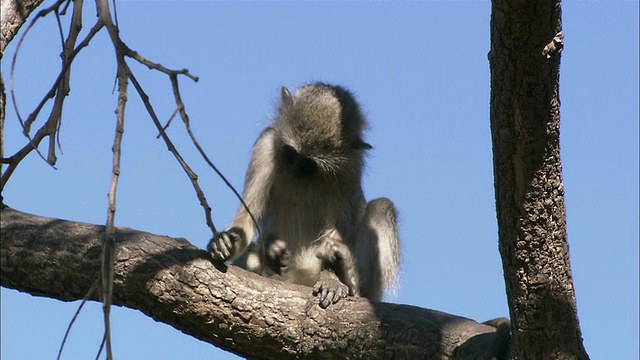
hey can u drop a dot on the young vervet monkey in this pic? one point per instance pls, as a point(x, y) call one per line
point(303, 187)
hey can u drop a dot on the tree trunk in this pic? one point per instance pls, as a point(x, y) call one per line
point(173, 282)
point(526, 41)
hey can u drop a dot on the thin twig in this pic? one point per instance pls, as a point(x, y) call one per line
point(55, 116)
point(192, 176)
point(26, 126)
point(185, 119)
point(65, 7)
point(173, 75)
point(164, 128)
point(75, 316)
point(43, 132)
point(151, 65)
point(104, 339)
point(60, 31)
point(109, 246)
point(65, 54)
point(40, 14)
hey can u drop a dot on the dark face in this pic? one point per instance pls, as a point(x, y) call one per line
point(297, 164)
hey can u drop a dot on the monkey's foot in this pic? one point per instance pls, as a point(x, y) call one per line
point(337, 256)
point(329, 289)
point(278, 256)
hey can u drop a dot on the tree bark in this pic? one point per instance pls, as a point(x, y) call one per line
point(14, 14)
point(526, 41)
point(173, 282)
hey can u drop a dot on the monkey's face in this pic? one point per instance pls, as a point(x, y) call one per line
point(297, 164)
point(319, 131)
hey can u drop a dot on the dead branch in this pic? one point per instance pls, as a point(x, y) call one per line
point(45, 130)
point(185, 119)
point(60, 90)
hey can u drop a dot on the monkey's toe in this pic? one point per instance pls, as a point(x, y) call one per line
point(329, 289)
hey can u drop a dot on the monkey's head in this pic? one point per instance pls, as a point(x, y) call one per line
point(320, 131)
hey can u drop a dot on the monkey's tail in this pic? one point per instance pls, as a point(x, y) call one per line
point(379, 248)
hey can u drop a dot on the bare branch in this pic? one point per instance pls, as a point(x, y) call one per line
point(185, 119)
point(26, 125)
point(109, 241)
point(108, 250)
point(155, 66)
point(44, 131)
point(166, 126)
point(94, 287)
point(192, 175)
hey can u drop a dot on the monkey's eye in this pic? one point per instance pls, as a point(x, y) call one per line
point(298, 165)
point(290, 156)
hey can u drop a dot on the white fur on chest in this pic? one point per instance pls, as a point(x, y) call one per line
point(301, 215)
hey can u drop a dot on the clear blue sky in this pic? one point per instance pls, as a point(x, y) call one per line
point(421, 73)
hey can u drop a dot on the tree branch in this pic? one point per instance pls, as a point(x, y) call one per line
point(14, 15)
point(174, 282)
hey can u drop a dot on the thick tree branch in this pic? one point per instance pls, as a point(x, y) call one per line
point(174, 282)
point(14, 15)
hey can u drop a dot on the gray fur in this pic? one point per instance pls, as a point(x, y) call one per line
point(303, 186)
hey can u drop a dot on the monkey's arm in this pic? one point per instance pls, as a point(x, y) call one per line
point(230, 244)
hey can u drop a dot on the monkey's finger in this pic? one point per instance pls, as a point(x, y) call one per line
point(341, 292)
point(211, 248)
point(225, 245)
point(321, 291)
point(336, 296)
point(326, 299)
point(219, 251)
point(317, 288)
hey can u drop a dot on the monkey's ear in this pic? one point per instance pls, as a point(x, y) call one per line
point(359, 144)
point(287, 99)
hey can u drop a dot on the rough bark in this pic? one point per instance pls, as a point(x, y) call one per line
point(172, 281)
point(526, 42)
point(14, 14)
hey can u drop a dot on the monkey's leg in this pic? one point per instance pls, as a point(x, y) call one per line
point(338, 277)
point(269, 257)
point(251, 259)
point(377, 249)
point(277, 256)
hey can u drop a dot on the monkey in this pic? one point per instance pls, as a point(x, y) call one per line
point(304, 196)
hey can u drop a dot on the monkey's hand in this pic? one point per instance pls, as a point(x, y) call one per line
point(329, 289)
point(278, 256)
point(223, 246)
